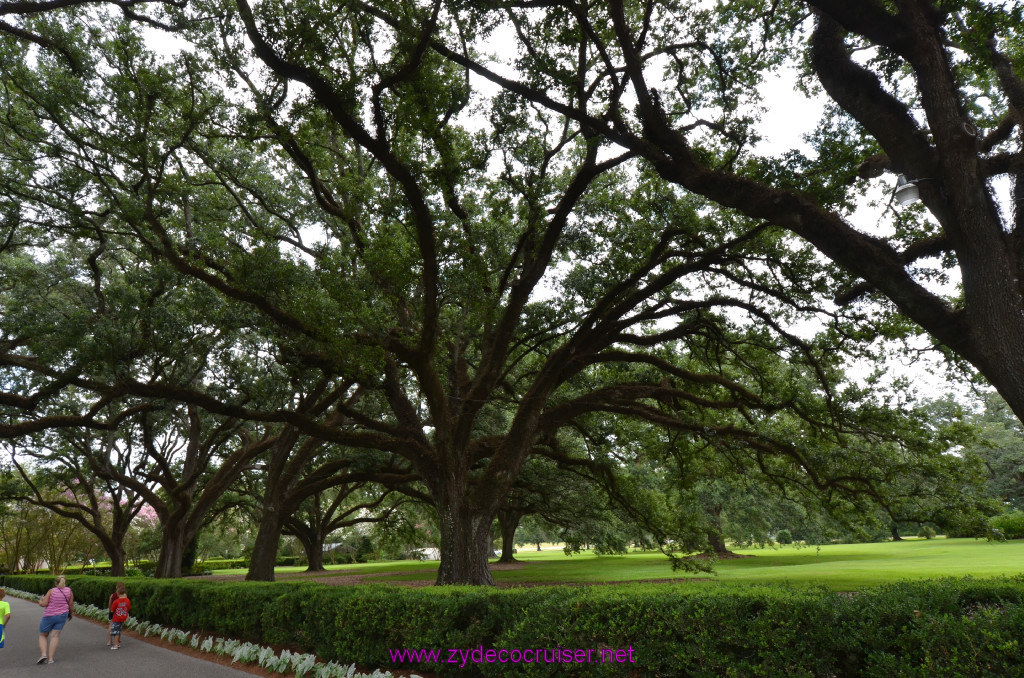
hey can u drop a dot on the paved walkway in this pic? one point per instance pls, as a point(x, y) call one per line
point(83, 652)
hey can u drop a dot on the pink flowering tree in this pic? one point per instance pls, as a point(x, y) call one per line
point(73, 474)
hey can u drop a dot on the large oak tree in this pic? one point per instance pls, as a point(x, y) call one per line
point(495, 277)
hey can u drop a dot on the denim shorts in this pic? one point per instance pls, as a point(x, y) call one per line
point(54, 623)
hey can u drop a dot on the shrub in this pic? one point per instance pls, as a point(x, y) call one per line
point(223, 563)
point(926, 531)
point(784, 537)
point(1010, 525)
point(147, 568)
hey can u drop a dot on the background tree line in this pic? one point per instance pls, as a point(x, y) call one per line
point(358, 523)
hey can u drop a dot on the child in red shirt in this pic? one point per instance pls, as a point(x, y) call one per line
point(120, 607)
point(110, 612)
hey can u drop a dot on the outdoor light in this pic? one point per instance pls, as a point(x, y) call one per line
point(906, 191)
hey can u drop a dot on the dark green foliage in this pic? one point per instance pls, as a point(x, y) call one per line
point(960, 627)
point(357, 548)
point(784, 537)
point(225, 563)
point(147, 568)
point(1000, 445)
point(1010, 525)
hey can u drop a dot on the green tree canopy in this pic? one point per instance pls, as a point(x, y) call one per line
point(497, 274)
point(933, 91)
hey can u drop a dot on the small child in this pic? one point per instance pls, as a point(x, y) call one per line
point(5, 615)
point(120, 607)
point(110, 611)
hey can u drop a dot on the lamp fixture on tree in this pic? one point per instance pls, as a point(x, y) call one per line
point(906, 190)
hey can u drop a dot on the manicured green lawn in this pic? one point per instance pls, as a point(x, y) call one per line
point(853, 566)
point(840, 566)
point(843, 566)
point(358, 568)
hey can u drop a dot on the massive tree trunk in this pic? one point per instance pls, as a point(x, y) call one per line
point(117, 560)
point(179, 534)
point(717, 543)
point(172, 549)
point(465, 547)
point(113, 546)
point(508, 521)
point(117, 564)
point(312, 539)
point(716, 540)
point(314, 555)
point(465, 535)
point(188, 556)
point(264, 552)
point(278, 484)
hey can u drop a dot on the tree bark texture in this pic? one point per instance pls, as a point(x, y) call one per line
point(508, 521)
point(264, 552)
point(117, 558)
point(894, 529)
point(314, 555)
point(172, 550)
point(465, 536)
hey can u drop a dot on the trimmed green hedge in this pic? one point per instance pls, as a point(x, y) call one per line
point(959, 627)
point(223, 563)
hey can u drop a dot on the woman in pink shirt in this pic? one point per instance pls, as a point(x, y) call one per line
point(58, 601)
